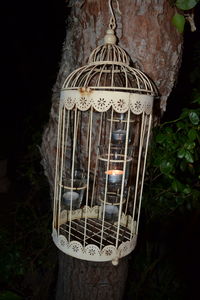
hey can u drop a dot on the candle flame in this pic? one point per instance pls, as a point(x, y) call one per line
point(114, 172)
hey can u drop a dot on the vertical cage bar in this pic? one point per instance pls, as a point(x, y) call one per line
point(66, 138)
point(61, 168)
point(88, 172)
point(56, 182)
point(100, 74)
point(138, 171)
point(72, 172)
point(143, 173)
point(123, 177)
point(112, 76)
point(88, 135)
point(106, 185)
point(127, 202)
point(96, 163)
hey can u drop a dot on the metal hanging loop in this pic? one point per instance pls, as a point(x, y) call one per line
point(112, 24)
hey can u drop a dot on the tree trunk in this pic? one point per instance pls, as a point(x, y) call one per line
point(145, 31)
point(79, 279)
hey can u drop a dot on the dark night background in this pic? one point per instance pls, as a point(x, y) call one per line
point(33, 33)
point(33, 37)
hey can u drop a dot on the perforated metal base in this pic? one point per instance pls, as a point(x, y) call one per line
point(86, 241)
point(93, 232)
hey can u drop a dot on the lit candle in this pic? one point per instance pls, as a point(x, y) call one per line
point(119, 135)
point(114, 176)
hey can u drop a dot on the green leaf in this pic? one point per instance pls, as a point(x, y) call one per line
point(181, 153)
point(186, 4)
point(179, 22)
point(190, 146)
point(177, 186)
point(187, 190)
point(197, 100)
point(160, 138)
point(169, 130)
point(184, 113)
point(194, 118)
point(181, 125)
point(158, 160)
point(192, 134)
point(189, 157)
point(166, 167)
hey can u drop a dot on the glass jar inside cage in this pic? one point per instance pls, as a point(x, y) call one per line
point(110, 204)
point(73, 190)
point(119, 129)
point(111, 164)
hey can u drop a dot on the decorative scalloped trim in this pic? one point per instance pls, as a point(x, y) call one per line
point(92, 252)
point(101, 101)
point(93, 212)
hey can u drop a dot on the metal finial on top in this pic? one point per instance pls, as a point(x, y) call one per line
point(110, 37)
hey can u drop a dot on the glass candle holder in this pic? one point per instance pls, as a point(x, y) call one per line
point(73, 193)
point(110, 206)
point(111, 164)
point(115, 176)
point(119, 135)
point(111, 213)
point(119, 129)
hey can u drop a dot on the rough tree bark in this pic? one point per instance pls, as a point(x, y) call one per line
point(145, 31)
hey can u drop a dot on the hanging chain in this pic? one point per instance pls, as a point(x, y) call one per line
point(112, 24)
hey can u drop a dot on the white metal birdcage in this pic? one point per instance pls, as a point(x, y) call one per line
point(103, 133)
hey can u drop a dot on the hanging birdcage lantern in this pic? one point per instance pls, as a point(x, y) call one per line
point(103, 133)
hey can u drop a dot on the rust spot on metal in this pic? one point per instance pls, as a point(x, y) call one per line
point(85, 91)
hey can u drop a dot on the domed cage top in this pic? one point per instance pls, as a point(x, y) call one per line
point(103, 133)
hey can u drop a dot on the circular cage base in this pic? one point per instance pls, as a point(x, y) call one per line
point(88, 242)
